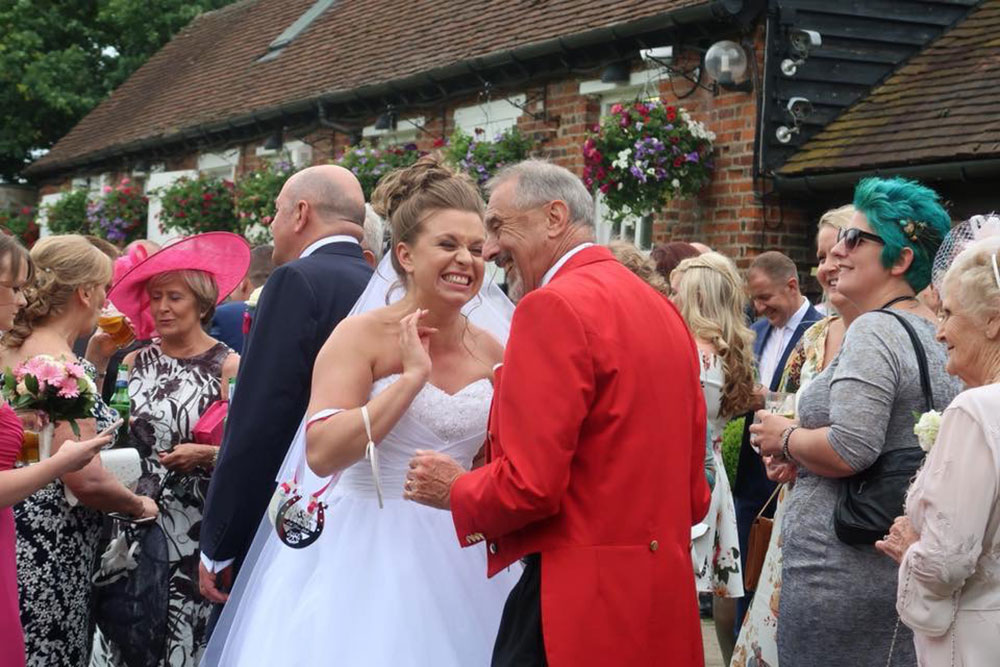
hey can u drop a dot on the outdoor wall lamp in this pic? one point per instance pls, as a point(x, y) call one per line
point(616, 73)
point(799, 108)
point(274, 141)
point(387, 120)
point(726, 62)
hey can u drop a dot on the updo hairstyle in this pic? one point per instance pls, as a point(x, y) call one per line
point(633, 260)
point(405, 197)
point(62, 265)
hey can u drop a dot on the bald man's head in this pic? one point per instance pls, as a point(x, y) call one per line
point(333, 192)
point(315, 203)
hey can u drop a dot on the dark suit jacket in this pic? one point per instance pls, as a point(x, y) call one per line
point(227, 324)
point(301, 303)
point(752, 484)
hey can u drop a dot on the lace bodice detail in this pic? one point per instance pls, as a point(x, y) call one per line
point(454, 424)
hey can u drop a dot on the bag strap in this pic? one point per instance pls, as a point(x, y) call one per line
point(773, 494)
point(925, 376)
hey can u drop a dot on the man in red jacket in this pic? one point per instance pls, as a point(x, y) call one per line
point(595, 445)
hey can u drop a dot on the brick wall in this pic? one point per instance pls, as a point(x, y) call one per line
point(732, 214)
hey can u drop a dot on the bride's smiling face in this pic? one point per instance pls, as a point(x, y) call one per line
point(446, 259)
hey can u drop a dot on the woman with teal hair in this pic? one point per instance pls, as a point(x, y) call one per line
point(837, 603)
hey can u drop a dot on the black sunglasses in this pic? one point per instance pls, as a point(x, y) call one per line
point(852, 236)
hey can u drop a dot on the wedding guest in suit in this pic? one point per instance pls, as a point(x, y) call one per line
point(171, 384)
point(785, 315)
point(320, 274)
point(581, 482)
point(227, 323)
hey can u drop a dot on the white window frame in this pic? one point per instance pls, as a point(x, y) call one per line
point(407, 130)
point(494, 117)
point(220, 164)
point(298, 153)
point(633, 228)
point(42, 217)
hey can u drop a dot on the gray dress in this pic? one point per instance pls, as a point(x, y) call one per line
point(837, 601)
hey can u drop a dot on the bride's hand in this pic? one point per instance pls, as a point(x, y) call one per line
point(414, 346)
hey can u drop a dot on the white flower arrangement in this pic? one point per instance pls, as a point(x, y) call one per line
point(926, 429)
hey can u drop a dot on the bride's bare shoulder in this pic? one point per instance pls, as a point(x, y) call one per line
point(486, 345)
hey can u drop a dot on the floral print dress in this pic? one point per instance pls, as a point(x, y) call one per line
point(168, 398)
point(57, 548)
point(757, 645)
point(716, 550)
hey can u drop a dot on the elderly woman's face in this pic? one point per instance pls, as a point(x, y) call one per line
point(859, 269)
point(964, 338)
point(174, 307)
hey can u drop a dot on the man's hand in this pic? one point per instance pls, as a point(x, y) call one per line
point(430, 478)
point(210, 583)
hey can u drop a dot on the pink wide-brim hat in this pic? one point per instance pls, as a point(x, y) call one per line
point(224, 255)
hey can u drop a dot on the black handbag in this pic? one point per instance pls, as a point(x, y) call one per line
point(868, 502)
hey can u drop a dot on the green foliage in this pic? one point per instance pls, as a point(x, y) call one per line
point(480, 158)
point(200, 204)
point(370, 163)
point(58, 60)
point(68, 214)
point(20, 222)
point(732, 440)
point(254, 199)
point(120, 214)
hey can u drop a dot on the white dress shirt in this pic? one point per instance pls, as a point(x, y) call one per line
point(560, 262)
point(776, 343)
point(219, 565)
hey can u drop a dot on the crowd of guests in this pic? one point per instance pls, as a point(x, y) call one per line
point(881, 346)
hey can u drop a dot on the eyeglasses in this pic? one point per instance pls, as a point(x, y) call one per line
point(852, 237)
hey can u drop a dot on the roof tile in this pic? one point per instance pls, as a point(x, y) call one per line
point(937, 107)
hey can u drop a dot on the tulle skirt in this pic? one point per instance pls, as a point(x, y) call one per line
point(389, 587)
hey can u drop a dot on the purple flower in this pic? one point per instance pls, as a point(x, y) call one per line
point(692, 157)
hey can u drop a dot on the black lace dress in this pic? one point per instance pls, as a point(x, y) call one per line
point(57, 550)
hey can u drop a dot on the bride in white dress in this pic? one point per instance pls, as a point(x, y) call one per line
point(386, 583)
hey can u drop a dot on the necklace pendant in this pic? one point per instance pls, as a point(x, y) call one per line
point(297, 528)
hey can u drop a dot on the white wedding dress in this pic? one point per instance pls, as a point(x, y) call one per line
point(386, 587)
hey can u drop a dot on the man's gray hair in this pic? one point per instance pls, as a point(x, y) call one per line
point(538, 182)
point(374, 237)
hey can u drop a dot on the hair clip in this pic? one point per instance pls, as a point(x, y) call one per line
point(913, 229)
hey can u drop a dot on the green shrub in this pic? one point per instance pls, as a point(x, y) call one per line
point(68, 214)
point(732, 439)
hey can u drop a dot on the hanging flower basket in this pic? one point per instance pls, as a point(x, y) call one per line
point(370, 163)
point(644, 154)
point(20, 222)
point(200, 204)
point(254, 199)
point(482, 158)
point(120, 213)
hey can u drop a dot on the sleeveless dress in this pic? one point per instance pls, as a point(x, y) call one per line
point(716, 552)
point(380, 587)
point(168, 396)
point(11, 637)
point(57, 552)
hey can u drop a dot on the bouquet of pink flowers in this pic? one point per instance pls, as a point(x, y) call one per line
point(59, 388)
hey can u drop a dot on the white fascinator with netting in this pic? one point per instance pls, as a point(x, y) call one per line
point(962, 236)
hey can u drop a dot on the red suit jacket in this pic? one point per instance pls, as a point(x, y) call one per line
point(596, 444)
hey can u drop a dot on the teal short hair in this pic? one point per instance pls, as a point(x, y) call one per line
point(890, 204)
